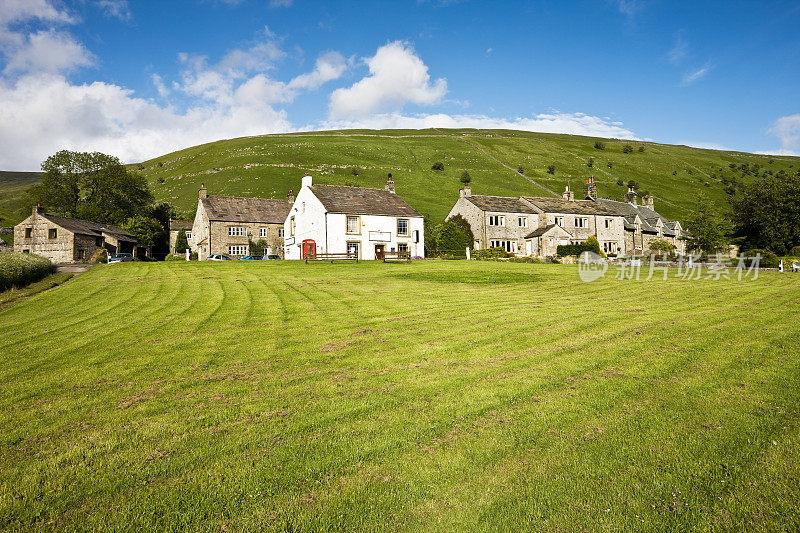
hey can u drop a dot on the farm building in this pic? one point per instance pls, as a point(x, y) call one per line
point(365, 222)
point(67, 240)
point(228, 225)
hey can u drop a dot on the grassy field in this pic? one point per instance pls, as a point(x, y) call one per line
point(12, 192)
point(428, 396)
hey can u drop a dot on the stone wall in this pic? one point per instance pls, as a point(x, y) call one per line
point(220, 240)
point(58, 250)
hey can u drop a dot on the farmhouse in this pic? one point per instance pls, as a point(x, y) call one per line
point(328, 219)
point(535, 226)
point(67, 240)
point(175, 227)
point(228, 225)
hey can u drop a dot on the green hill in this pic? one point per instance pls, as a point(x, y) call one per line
point(271, 165)
point(12, 190)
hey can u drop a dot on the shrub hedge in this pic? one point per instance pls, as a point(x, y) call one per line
point(18, 270)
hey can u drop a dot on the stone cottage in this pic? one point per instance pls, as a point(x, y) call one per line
point(67, 240)
point(227, 224)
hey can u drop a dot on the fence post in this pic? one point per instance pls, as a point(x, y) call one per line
point(468, 254)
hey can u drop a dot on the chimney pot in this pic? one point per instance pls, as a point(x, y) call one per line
point(590, 189)
point(290, 196)
point(203, 191)
point(390, 184)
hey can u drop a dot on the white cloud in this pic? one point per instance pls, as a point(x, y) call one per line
point(572, 123)
point(397, 76)
point(787, 130)
point(48, 51)
point(679, 50)
point(116, 8)
point(329, 66)
point(281, 3)
point(696, 74)
point(12, 11)
point(162, 89)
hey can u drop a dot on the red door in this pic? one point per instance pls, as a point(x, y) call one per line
point(309, 249)
point(379, 251)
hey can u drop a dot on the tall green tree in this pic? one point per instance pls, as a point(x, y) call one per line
point(181, 242)
point(454, 235)
point(91, 186)
point(709, 228)
point(766, 213)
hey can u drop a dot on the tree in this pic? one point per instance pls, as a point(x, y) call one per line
point(610, 164)
point(148, 230)
point(258, 247)
point(181, 242)
point(590, 162)
point(91, 186)
point(600, 145)
point(465, 177)
point(641, 148)
point(766, 213)
point(551, 169)
point(627, 149)
point(521, 170)
point(661, 247)
point(710, 230)
point(437, 166)
point(632, 184)
point(454, 235)
point(354, 171)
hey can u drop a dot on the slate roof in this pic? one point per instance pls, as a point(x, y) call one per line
point(500, 204)
point(578, 207)
point(538, 232)
point(175, 225)
point(649, 217)
point(234, 209)
point(362, 201)
point(84, 227)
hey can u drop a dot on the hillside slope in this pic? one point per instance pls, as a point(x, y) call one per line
point(271, 165)
point(12, 195)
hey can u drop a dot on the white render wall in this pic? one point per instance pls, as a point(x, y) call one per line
point(329, 230)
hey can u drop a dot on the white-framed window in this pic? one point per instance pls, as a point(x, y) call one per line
point(280, 232)
point(581, 222)
point(262, 233)
point(508, 246)
point(609, 223)
point(353, 225)
point(291, 227)
point(610, 247)
point(353, 247)
point(237, 250)
point(497, 220)
point(235, 231)
point(188, 234)
point(402, 227)
point(402, 246)
point(559, 221)
point(522, 222)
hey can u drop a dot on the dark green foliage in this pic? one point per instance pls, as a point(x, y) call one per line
point(437, 166)
point(767, 259)
point(795, 251)
point(674, 172)
point(91, 186)
point(641, 148)
point(551, 169)
point(620, 182)
point(662, 247)
point(148, 230)
point(632, 184)
point(766, 214)
point(258, 247)
point(591, 245)
point(465, 177)
point(18, 270)
point(491, 253)
point(521, 170)
point(590, 162)
point(181, 242)
point(710, 230)
point(453, 235)
point(627, 149)
point(610, 164)
point(600, 145)
point(354, 171)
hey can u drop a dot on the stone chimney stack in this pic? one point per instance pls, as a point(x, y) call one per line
point(203, 191)
point(37, 210)
point(466, 190)
point(568, 194)
point(648, 201)
point(590, 189)
point(290, 196)
point(630, 196)
point(390, 184)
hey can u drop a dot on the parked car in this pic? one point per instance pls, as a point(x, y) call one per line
point(120, 258)
point(251, 258)
point(272, 256)
point(218, 257)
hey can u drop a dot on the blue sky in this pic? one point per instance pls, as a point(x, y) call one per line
point(138, 79)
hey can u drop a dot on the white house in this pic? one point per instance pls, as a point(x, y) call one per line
point(360, 220)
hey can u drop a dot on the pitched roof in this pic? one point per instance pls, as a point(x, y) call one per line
point(500, 204)
point(175, 225)
point(234, 209)
point(362, 201)
point(648, 216)
point(560, 205)
point(85, 227)
point(538, 232)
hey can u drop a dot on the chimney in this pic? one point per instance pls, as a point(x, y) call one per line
point(37, 209)
point(630, 196)
point(648, 201)
point(390, 184)
point(568, 194)
point(203, 191)
point(590, 189)
point(307, 181)
point(466, 190)
point(290, 196)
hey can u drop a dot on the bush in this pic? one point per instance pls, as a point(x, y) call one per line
point(465, 177)
point(18, 270)
point(354, 171)
point(768, 259)
point(627, 149)
point(795, 251)
point(551, 169)
point(437, 166)
point(620, 183)
point(641, 148)
point(600, 145)
point(490, 253)
point(590, 162)
point(181, 242)
point(453, 236)
point(591, 245)
point(521, 170)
